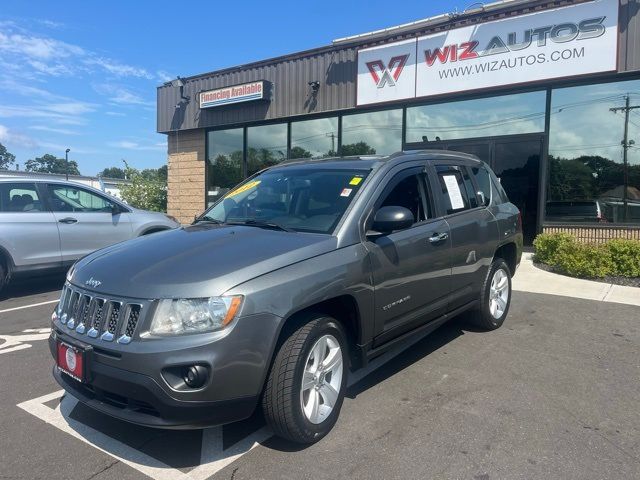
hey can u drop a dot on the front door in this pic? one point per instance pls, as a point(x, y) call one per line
point(85, 221)
point(411, 267)
point(515, 159)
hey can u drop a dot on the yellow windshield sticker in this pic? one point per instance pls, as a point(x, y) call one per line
point(243, 188)
point(355, 181)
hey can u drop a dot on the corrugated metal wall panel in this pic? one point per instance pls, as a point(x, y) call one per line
point(336, 69)
point(629, 40)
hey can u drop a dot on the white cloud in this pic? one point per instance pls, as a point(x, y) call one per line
point(118, 69)
point(60, 131)
point(12, 138)
point(164, 76)
point(38, 47)
point(60, 114)
point(130, 145)
point(115, 114)
point(120, 94)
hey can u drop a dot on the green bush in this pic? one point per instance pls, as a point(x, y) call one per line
point(565, 254)
point(548, 244)
point(625, 255)
point(583, 260)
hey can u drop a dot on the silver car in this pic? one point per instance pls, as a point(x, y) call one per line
point(49, 224)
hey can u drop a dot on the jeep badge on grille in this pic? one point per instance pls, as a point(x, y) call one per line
point(92, 282)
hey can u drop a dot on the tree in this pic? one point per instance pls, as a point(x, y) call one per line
point(6, 158)
point(148, 192)
point(112, 172)
point(360, 148)
point(299, 152)
point(51, 164)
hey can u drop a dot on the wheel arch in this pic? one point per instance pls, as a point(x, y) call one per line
point(509, 253)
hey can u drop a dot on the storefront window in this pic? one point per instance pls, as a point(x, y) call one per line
point(485, 117)
point(590, 180)
point(372, 133)
point(224, 154)
point(266, 146)
point(314, 138)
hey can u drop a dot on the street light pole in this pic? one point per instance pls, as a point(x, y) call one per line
point(66, 161)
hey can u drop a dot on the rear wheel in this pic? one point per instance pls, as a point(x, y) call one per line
point(495, 298)
point(305, 388)
point(4, 277)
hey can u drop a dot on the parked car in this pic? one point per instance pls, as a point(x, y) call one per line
point(576, 211)
point(48, 225)
point(307, 270)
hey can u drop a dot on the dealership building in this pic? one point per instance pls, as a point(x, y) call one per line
point(546, 92)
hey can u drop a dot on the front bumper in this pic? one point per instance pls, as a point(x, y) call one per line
point(127, 381)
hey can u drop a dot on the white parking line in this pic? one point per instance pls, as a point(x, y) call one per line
point(28, 306)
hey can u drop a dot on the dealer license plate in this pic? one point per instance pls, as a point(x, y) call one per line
point(72, 361)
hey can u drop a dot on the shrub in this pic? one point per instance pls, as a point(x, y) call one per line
point(563, 252)
point(625, 255)
point(548, 244)
point(583, 260)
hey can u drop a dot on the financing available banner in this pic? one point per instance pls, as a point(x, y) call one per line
point(563, 42)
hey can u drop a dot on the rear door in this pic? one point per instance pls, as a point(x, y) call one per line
point(473, 228)
point(29, 230)
point(86, 221)
point(411, 270)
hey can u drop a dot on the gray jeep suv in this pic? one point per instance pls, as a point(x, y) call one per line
point(49, 224)
point(307, 270)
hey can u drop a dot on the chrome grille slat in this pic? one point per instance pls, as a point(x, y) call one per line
point(104, 318)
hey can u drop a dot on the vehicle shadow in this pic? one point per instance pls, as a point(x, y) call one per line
point(24, 287)
point(187, 449)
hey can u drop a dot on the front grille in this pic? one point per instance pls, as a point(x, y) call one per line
point(105, 318)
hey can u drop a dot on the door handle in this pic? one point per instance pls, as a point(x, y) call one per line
point(68, 220)
point(438, 237)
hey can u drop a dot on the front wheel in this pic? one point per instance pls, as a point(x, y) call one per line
point(305, 388)
point(495, 297)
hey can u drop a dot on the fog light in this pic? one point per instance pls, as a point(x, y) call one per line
point(195, 376)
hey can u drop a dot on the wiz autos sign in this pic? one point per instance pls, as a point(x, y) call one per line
point(568, 41)
point(235, 94)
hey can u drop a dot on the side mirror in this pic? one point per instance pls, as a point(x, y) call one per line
point(115, 209)
point(389, 219)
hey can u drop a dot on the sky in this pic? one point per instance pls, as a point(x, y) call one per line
point(83, 75)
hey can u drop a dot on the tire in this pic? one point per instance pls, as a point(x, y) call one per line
point(495, 299)
point(4, 277)
point(289, 409)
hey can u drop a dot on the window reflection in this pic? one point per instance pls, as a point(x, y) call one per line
point(485, 117)
point(224, 154)
point(589, 180)
point(372, 133)
point(266, 146)
point(314, 138)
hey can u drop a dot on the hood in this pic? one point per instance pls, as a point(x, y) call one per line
point(195, 261)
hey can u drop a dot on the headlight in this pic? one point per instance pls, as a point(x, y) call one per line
point(194, 315)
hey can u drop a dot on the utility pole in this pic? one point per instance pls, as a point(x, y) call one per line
point(625, 146)
point(333, 140)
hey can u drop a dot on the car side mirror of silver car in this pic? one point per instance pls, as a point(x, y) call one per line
point(115, 209)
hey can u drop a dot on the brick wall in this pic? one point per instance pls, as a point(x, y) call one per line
point(596, 234)
point(186, 174)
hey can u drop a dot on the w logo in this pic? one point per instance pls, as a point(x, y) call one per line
point(382, 75)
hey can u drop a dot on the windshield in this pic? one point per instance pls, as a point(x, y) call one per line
point(305, 200)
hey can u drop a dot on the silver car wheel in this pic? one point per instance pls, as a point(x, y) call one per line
point(499, 293)
point(321, 379)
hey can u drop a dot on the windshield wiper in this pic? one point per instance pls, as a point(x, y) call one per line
point(260, 224)
point(207, 220)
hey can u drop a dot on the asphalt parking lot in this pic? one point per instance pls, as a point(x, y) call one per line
point(555, 393)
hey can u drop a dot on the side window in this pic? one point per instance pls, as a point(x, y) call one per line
point(410, 193)
point(484, 183)
point(71, 199)
point(19, 197)
point(453, 190)
point(470, 189)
